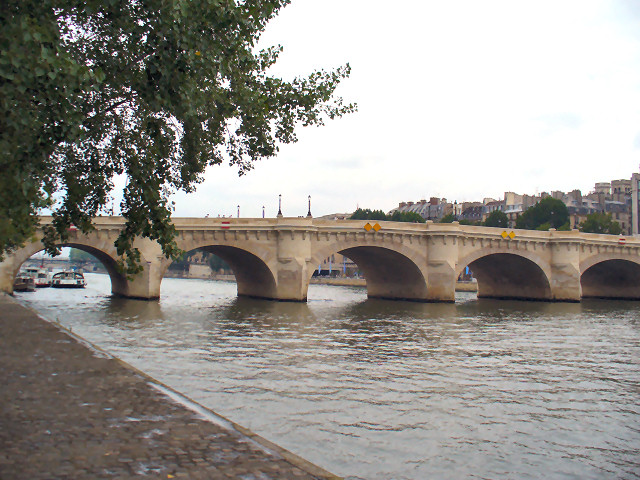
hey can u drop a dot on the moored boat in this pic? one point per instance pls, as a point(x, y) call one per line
point(68, 279)
point(41, 277)
point(24, 283)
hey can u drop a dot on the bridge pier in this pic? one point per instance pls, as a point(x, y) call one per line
point(143, 286)
point(442, 256)
point(565, 268)
point(146, 284)
point(293, 268)
point(8, 271)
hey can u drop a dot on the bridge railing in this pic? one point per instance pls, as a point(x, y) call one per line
point(311, 224)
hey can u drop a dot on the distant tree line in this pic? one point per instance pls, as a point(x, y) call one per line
point(547, 213)
point(495, 218)
point(397, 216)
point(553, 213)
point(215, 263)
point(80, 256)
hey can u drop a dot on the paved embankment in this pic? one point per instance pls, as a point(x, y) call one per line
point(70, 411)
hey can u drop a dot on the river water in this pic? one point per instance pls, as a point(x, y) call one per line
point(373, 389)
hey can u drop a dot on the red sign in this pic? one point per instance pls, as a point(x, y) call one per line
point(622, 241)
point(225, 225)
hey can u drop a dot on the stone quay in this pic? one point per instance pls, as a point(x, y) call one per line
point(70, 410)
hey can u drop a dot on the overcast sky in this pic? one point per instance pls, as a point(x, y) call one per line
point(457, 99)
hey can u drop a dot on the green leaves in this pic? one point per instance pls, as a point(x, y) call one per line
point(601, 223)
point(497, 218)
point(157, 90)
point(547, 213)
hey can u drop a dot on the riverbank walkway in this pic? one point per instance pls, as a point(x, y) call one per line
point(70, 411)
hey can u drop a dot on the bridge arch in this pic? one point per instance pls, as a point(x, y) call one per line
point(119, 284)
point(507, 274)
point(607, 276)
point(390, 273)
point(254, 277)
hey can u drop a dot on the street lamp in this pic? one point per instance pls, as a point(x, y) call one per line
point(262, 211)
point(280, 205)
point(309, 214)
point(238, 211)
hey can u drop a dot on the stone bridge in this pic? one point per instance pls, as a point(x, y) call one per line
point(275, 258)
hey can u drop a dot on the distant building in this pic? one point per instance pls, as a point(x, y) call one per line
point(603, 188)
point(337, 265)
point(336, 216)
point(616, 198)
point(620, 190)
point(490, 206)
point(635, 204)
point(434, 209)
point(620, 198)
point(472, 213)
point(620, 212)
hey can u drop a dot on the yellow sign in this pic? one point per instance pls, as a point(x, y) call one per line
point(504, 235)
point(512, 235)
point(368, 227)
point(377, 227)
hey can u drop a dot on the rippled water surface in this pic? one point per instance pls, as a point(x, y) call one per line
point(378, 389)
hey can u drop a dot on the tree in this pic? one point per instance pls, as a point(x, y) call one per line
point(156, 91)
point(397, 216)
point(368, 214)
point(216, 264)
point(80, 256)
point(497, 218)
point(547, 213)
point(448, 218)
point(412, 217)
point(600, 223)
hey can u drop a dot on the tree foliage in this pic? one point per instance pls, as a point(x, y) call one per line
point(216, 264)
point(547, 213)
point(368, 214)
point(80, 256)
point(397, 216)
point(183, 262)
point(448, 218)
point(497, 218)
point(412, 217)
point(154, 90)
point(600, 223)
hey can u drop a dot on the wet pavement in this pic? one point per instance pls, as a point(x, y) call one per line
point(68, 410)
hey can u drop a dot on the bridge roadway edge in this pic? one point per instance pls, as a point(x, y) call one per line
point(36, 435)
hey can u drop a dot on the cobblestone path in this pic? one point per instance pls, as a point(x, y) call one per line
point(68, 412)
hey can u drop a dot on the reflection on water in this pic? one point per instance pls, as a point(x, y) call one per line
point(377, 389)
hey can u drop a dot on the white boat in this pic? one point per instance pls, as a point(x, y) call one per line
point(68, 279)
point(41, 277)
point(24, 283)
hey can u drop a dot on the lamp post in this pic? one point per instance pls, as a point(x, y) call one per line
point(262, 211)
point(238, 211)
point(309, 214)
point(280, 205)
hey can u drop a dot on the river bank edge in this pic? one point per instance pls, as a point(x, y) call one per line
point(181, 400)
